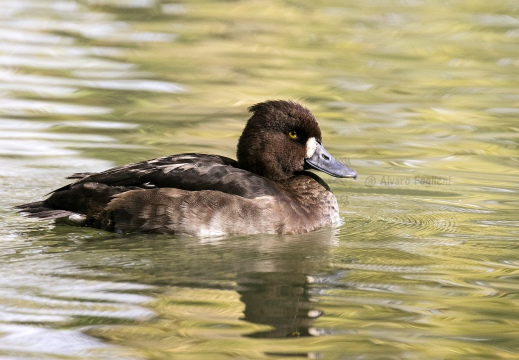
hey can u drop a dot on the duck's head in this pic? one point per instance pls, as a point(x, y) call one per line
point(282, 138)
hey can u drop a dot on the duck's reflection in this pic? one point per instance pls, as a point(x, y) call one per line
point(277, 277)
point(278, 299)
point(278, 291)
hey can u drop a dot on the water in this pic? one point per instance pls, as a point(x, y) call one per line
point(419, 97)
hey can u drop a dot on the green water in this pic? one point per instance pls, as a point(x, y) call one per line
point(420, 97)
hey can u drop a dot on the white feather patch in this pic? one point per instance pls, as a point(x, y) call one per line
point(311, 145)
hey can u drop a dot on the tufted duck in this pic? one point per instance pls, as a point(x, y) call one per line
point(266, 191)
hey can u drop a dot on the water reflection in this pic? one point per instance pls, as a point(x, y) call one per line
point(32, 342)
point(280, 300)
point(275, 278)
point(278, 292)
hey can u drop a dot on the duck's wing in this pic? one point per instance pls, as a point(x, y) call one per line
point(93, 191)
point(184, 171)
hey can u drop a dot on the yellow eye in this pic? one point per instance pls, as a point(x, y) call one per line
point(293, 135)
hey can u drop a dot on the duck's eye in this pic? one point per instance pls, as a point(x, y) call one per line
point(293, 134)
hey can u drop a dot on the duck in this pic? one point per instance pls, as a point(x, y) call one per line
point(268, 189)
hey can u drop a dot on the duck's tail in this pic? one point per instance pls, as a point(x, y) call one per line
point(41, 210)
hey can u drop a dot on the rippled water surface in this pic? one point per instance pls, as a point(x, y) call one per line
point(420, 97)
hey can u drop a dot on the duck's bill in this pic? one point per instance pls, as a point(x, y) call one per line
point(322, 160)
